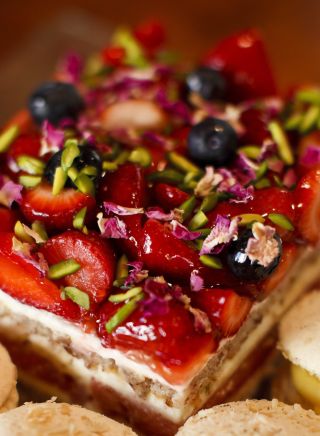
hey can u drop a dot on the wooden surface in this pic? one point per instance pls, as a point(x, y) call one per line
point(291, 29)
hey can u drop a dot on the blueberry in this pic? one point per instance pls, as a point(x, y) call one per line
point(88, 157)
point(206, 82)
point(55, 101)
point(212, 142)
point(241, 265)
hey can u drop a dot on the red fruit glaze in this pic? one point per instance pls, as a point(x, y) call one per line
point(242, 59)
point(164, 254)
point(27, 144)
point(226, 309)
point(8, 219)
point(25, 283)
point(254, 122)
point(127, 187)
point(168, 343)
point(55, 211)
point(168, 196)
point(95, 256)
point(307, 195)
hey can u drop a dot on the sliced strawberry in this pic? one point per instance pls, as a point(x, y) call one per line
point(127, 187)
point(27, 144)
point(168, 196)
point(8, 219)
point(265, 201)
point(159, 339)
point(55, 211)
point(24, 282)
point(95, 256)
point(226, 309)
point(254, 122)
point(307, 195)
point(166, 255)
point(242, 59)
point(288, 257)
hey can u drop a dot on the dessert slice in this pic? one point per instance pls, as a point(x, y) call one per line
point(155, 228)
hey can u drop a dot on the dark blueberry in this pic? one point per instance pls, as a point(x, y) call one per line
point(88, 157)
point(212, 142)
point(242, 267)
point(55, 101)
point(206, 82)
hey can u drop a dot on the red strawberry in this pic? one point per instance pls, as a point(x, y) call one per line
point(168, 196)
point(127, 187)
point(254, 122)
point(162, 338)
point(25, 283)
point(8, 219)
point(55, 211)
point(288, 257)
point(113, 56)
point(307, 195)
point(310, 140)
point(166, 255)
point(95, 256)
point(150, 34)
point(226, 309)
point(28, 144)
point(243, 61)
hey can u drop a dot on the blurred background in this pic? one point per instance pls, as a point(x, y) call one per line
point(35, 33)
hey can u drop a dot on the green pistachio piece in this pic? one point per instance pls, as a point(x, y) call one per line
point(308, 95)
point(188, 206)
point(62, 269)
point(79, 219)
point(109, 166)
point(29, 181)
point(31, 165)
point(248, 218)
point(198, 220)
point(281, 220)
point(293, 122)
point(119, 298)
point(85, 184)
point(123, 313)
point(59, 180)
point(211, 261)
point(39, 227)
point(8, 136)
point(209, 202)
point(262, 183)
point(77, 296)
point(310, 119)
point(21, 234)
point(251, 151)
point(140, 156)
point(182, 163)
point(280, 138)
point(166, 176)
point(69, 154)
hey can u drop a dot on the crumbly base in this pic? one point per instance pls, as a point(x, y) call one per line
point(148, 401)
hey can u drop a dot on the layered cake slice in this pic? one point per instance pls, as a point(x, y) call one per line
point(155, 225)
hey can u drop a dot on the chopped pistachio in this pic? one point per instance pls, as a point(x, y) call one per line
point(262, 169)
point(29, 181)
point(123, 313)
point(211, 261)
point(140, 156)
point(69, 154)
point(122, 157)
point(248, 218)
point(8, 136)
point(199, 220)
point(89, 170)
point(62, 269)
point(277, 181)
point(30, 165)
point(72, 173)
point(166, 176)
point(39, 227)
point(251, 151)
point(308, 95)
point(188, 206)
point(309, 119)
point(122, 271)
point(78, 220)
point(21, 234)
point(182, 163)
point(119, 298)
point(59, 180)
point(280, 138)
point(109, 166)
point(77, 296)
point(134, 52)
point(281, 220)
point(262, 183)
point(209, 202)
point(85, 184)
point(293, 122)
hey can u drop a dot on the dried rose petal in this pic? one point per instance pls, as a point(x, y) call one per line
point(158, 297)
point(137, 274)
point(24, 250)
point(112, 227)
point(9, 192)
point(181, 232)
point(241, 194)
point(263, 247)
point(223, 231)
point(196, 282)
point(290, 178)
point(158, 214)
point(52, 139)
point(121, 210)
point(209, 181)
point(311, 155)
point(71, 67)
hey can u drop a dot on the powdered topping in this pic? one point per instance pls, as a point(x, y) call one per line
point(263, 247)
point(210, 180)
point(196, 282)
point(121, 210)
point(137, 273)
point(158, 214)
point(112, 227)
point(9, 192)
point(223, 232)
point(52, 139)
point(181, 232)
